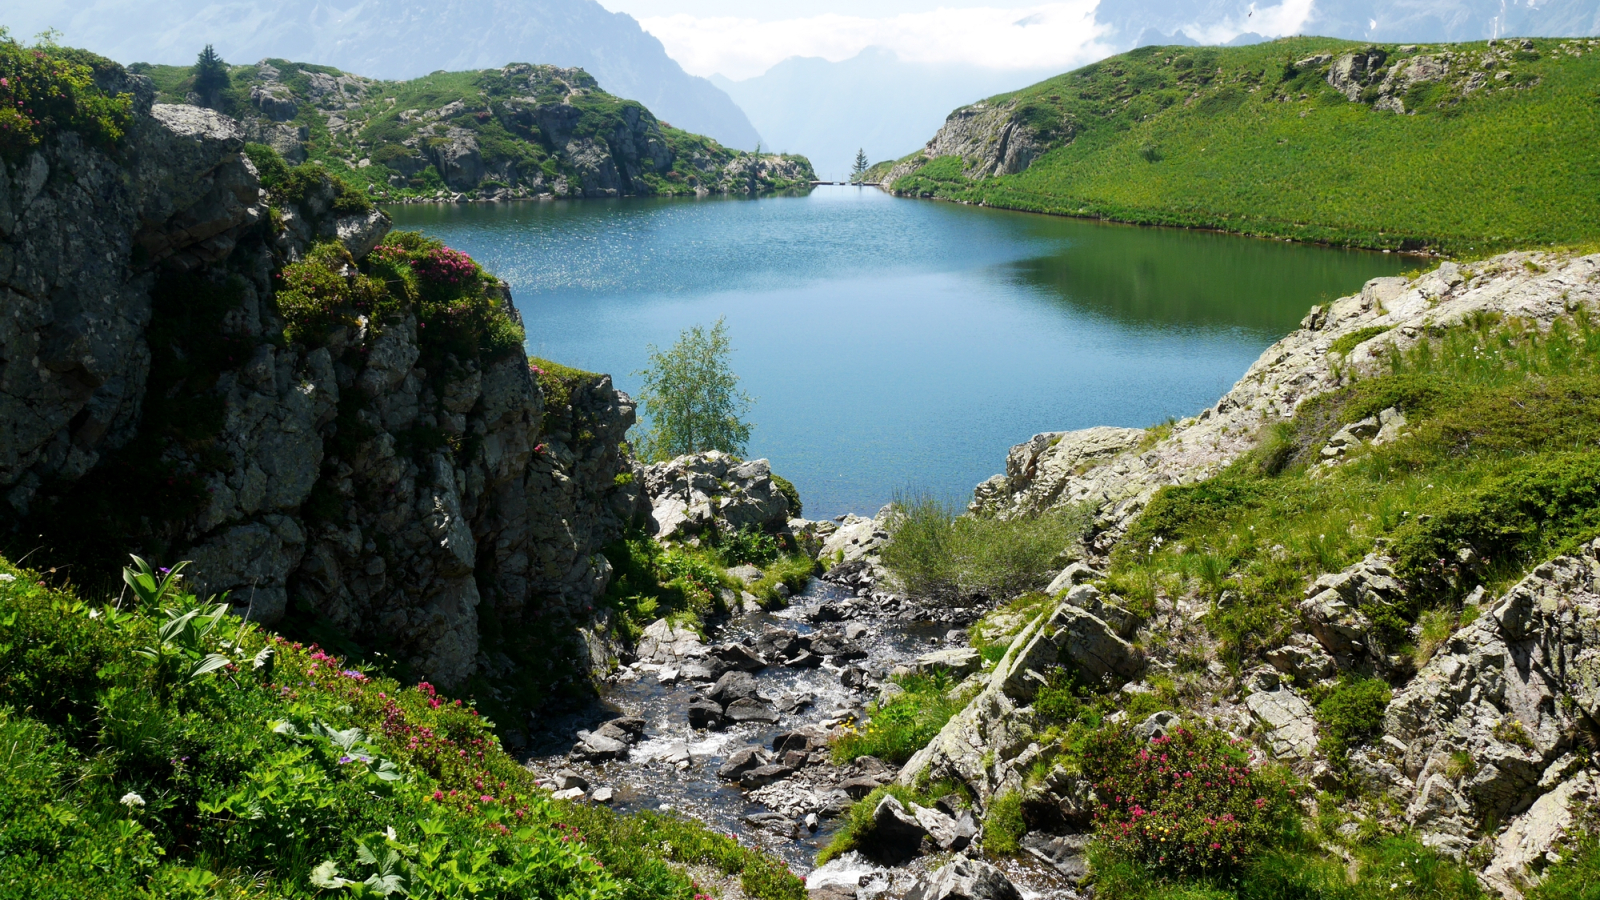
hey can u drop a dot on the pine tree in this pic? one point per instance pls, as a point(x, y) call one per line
point(210, 77)
point(858, 173)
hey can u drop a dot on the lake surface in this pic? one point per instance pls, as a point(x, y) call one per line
point(896, 344)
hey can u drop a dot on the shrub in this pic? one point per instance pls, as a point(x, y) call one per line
point(935, 552)
point(1351, 712)
point(1186, 804)
point(1003, 825)
point(1344, 344)
point(46, 90)
point(787, 489)
point(749, 546)
point(902, 726)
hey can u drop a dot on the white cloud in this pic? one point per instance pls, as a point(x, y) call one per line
point(1053, 35)
point(1288, 17)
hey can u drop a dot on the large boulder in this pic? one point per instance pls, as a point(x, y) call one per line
point(895, 835)
point(713, 491)
point(964, 879)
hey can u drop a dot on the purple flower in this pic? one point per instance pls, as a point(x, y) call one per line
point(345, 759)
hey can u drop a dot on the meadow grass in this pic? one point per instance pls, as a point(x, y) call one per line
point(1237, 139)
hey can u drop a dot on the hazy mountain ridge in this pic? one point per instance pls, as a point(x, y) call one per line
point(1397, 21)
point(874, 101)
point(397, 39)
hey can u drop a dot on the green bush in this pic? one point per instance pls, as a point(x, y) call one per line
point(905, 724)
point(748, 546)
point(1344, 344)
point(790, 493)
point(1186, 804)
point(1003, 825)
point(1350, 713)
point(45, 90)
point(935, 552)
point(315, 295)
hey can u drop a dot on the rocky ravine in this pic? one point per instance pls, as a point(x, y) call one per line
point(1515, 691)
point(315, 489)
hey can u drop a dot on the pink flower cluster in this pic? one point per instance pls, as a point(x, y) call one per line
point(445, 266)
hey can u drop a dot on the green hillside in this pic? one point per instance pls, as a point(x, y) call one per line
point(157, 747)
point(1460, 148)
point(521, 130)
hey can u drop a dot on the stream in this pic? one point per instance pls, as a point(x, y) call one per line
point(672, 766)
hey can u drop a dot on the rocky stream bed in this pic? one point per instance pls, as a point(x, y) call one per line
point(734, 731)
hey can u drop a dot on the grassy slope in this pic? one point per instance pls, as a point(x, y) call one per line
point(1498, 456)
point(381, 128)
point(1225, 138)
point(122, 783)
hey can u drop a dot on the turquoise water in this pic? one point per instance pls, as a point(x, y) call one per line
point(895, 343)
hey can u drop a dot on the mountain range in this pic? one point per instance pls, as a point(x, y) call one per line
point(400, 39)
point(873, 101)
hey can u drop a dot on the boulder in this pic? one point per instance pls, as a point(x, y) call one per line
point(734, 686)
point(740, 657)
point(701, 492)
point(595, 747)
point(1291, 722)
point(750, 710)
point(894, 836)
point(1076, 637)
point(1073, 575)
point(948, 833)
point(1535, 838)
point(664, 643)
point(964, 879)
point(859, 786)
point(743, 761)
point(761, 776)
point(566, 779)
point(958, 661)
point(704, 713)
point(1506, 692)
point(1066, 853)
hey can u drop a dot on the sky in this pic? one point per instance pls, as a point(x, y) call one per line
point(739, 39)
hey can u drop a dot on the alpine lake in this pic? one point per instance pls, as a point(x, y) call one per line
point(901, 345)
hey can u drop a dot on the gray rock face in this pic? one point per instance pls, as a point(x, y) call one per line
point(402, 547)
point(1290, 721)
point(1507, 693)
point(1533, 841)
point(990, 140)
point(713, 491)
point(1076, 637)
point(964, 879)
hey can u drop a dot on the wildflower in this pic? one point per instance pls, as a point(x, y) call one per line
point(345, 759)
point(132, 800)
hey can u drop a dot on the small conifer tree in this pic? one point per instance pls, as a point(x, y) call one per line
point(210, 77)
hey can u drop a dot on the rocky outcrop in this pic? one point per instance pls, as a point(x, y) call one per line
point(989, 140)
point(712, 492)
point(1089, 467)
point(1388, 83)
point(422, 502)
point(964, 879)
point(1488, 725)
